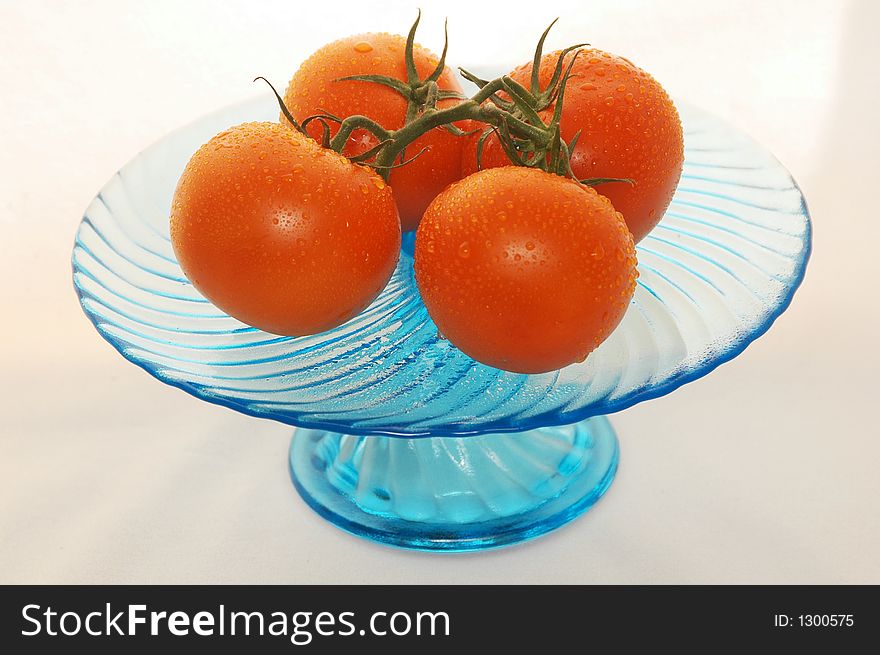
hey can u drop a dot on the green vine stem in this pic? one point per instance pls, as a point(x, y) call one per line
point(506, 109)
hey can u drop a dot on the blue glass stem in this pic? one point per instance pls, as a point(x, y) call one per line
point(455, 493)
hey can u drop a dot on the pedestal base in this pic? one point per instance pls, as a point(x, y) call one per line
point(451, 493)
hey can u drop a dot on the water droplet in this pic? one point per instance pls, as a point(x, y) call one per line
point(589, 86)
point(378, 182)
point(530, 245)
point(363, 46)
point(464, 250)
point(598, 252)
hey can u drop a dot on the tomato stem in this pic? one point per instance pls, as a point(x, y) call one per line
point(353, 123)
point(284, 109)
point(515, 120)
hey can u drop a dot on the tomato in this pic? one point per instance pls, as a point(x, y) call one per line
point(283, 234)
point(524, 270)
point(314, 89)
point(629, 129)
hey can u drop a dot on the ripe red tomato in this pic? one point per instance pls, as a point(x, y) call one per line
point(281, 233)
point(523, 270)
point(314, 90)
point(629, 129)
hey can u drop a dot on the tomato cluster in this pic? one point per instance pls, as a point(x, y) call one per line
point(292, 228)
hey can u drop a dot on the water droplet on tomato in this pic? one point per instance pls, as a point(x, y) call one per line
point(363, 46)
point(530, 245)
point(378, 182)
point(464, 250)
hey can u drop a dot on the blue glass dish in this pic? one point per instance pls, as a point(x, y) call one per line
point(403, 438)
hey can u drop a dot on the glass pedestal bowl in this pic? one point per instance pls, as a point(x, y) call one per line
point(400, 437)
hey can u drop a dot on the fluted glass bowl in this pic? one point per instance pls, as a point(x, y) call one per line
point(716, 272)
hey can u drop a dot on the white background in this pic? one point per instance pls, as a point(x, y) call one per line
point(765, 471)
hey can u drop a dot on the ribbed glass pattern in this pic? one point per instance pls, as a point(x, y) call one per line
point(718, 270)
